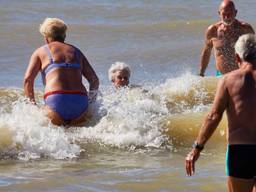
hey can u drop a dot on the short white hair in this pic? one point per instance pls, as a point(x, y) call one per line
point(245, 47)
point(54, 28)
point(118, 66)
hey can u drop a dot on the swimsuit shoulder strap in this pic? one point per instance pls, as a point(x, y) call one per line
point(47, 50)
point(77, 55)
point(45, 71)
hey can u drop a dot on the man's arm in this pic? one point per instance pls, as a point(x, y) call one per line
point(215, 115)
point(207, 49)
point(210, 124)
point(30, 75)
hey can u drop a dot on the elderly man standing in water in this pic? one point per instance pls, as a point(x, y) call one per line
point(236, 93)
point(222, 36)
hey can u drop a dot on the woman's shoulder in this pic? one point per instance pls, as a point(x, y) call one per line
point(39, 51)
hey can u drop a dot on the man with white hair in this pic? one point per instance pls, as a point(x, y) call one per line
point(236, 93)
point(119, 74)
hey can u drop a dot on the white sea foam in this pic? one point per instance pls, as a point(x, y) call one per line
point(33, 136)
point(187, 92)
point(128, 118)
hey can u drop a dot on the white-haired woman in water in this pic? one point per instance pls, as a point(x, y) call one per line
point(62, 67)
point(119, 74)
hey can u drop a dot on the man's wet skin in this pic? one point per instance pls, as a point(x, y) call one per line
point(222, 37)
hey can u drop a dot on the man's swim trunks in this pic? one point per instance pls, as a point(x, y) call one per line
point(218, 74)
point(241, 161)
point(68, 104)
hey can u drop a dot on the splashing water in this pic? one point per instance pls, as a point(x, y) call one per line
point(131, 120)
point(33, 136)
point(128, 118)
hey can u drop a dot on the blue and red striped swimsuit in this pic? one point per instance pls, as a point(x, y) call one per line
point(69, 104)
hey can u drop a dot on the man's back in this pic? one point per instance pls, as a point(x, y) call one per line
point(236, 93)
point(241, 109)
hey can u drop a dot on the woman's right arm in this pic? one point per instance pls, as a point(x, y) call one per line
point(30, 75)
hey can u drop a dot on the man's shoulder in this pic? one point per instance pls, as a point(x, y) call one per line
point(211, 31)
point(246, 26)
point(243, 23)
point(233, 75)
point(213, 26)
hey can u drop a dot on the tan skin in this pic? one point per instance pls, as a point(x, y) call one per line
point(61, 78)
point(121, 78)
point(222, 37)
point(236, 94)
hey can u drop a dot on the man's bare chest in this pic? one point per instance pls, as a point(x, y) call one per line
point(225, 40)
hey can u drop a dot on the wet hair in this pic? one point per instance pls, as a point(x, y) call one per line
point(118, 66)
point(245, 47)
point(53, 28)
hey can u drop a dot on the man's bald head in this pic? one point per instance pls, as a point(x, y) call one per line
point(227, 4)
point(227, 12)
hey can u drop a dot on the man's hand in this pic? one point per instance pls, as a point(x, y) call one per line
point(190, 161)
point(201, 74)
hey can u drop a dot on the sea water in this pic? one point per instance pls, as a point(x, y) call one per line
point(138, 138)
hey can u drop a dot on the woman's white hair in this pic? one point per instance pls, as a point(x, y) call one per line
point(245, 47)
point(53, 28)
point(118, 66)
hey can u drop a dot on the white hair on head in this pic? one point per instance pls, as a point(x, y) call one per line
point(118, 66)
point(245, 47)
point(54, 28)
